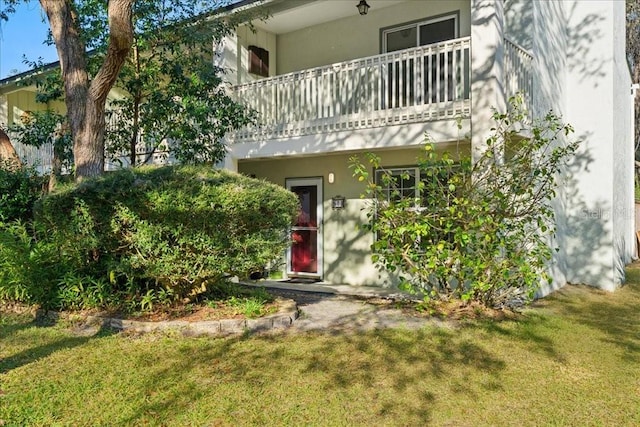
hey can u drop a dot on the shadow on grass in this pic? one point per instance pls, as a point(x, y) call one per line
point(615, 315)
point(529, 331)
point(12, 324)
point(318, 367)
point(395, 375)
point(426, 364)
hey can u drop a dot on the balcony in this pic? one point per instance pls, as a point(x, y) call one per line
point(430, 82)
point(416, 85)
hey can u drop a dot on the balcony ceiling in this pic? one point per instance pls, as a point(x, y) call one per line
point(292, 15)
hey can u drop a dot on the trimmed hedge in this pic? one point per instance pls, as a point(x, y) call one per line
point(167, 231)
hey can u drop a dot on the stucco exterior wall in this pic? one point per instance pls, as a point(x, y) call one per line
point(519, 22)
point(487, 70)
point(624, 241)
point(357, 36)
point(232, 53)
point(593, 238)
point(386, 137)
point(549, 46)
point(589, 101)
point(579, 72)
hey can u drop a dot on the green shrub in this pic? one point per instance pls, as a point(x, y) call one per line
point(150, 232)
point(479, 230)
point(19, 190)
point(29, 267)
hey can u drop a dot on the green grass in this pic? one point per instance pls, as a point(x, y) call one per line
point(573, 359)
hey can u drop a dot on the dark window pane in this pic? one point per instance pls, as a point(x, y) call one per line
point(258, 61)
point(437, 32)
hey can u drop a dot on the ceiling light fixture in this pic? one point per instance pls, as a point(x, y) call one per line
point(363, 7)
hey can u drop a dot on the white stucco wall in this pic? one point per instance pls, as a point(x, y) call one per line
point(232, 53)
point(519, 22)
point(549, 46)
point(624, 241)
point(387, 137)
point(581, 75)
point(487, 70)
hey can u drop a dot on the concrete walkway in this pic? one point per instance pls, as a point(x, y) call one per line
point(330, 288)
point(345, 308)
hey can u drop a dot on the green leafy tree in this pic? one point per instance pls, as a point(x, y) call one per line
point(172, 97)
point(85, 93)
point(478, 230)
point(175, 98)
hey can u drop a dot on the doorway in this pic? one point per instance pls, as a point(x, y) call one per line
point(304, 257)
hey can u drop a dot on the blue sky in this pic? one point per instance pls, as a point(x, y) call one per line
point(24, 34)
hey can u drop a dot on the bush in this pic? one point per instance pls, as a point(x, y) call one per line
point(19, 190)
point(163, 232)
point(480, 230)
point(29, 267)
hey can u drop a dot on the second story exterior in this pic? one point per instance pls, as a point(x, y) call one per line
point(320, 67)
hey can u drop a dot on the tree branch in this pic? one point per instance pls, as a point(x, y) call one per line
point(120, 41)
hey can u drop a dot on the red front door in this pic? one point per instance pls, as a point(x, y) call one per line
point(305, 254)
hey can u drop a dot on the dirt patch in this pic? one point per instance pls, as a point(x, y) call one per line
point(445, 310)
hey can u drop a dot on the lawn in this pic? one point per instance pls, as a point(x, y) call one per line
point(572, 359)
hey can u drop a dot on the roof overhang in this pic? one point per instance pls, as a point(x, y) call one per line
point(14, 80)
point(291, 15)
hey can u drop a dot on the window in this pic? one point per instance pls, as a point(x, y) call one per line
point(404, 183)
point(420, 33)
point(399, 183)
point(432, 78)
point(258, 61)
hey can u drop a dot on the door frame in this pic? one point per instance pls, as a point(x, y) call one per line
point(318, 183)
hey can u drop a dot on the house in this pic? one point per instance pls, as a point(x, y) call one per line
point(18, 98)
point(334, 78)
point(330, 80)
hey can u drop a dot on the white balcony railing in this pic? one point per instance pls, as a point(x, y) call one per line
point(414, 85)
point(517, 72)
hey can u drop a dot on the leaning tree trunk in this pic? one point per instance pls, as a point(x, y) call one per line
point(86, 99)
point(7, 152)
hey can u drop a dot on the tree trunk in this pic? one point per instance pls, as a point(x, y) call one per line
point(7, 152)
point(86, 99)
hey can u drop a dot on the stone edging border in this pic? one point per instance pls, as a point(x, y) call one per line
point(285, 317)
